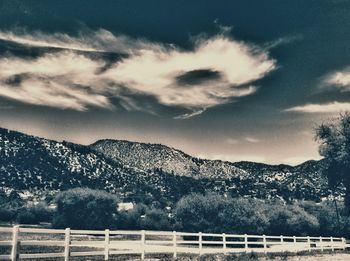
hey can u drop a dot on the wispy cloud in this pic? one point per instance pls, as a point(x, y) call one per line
point(283, 41)
point(87, 40)
point(339, 79)
point(57, 80)
point(215, 71)
point(336, 81)
point(252, 140)
point(334, 107)
point(249, 139)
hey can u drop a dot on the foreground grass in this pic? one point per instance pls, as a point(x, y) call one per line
point(310, 256)
point(315, 255)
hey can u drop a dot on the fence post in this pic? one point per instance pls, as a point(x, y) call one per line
point(174, 244)
point(321, 244)
point(143, 243)
point(308, 243)
point(15, 244)
point(200, 239)
point(282, 243)
point(224, 242)
point(106, 244)
point(332, 244)
point(67, 245)
point(343, 242)
point(265, 245)
point(246, 243)
point(295, 244)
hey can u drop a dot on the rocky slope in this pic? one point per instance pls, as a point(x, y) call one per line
point(144, 172)
point(305, 178)
point(155, 156)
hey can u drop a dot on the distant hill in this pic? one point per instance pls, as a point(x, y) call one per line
point(37, 167)
point(155, 156)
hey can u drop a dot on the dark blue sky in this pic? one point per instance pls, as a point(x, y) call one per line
point(232, 80)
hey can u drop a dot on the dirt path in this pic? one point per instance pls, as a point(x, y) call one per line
point(318, 257)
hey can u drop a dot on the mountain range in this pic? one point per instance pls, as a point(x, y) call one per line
point(38, 168)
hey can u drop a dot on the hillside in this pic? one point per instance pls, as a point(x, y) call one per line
point(155, 156)
point(305, 179)
point(143, 172)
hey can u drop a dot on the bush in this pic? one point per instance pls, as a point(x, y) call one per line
point(144, 217)
point(291, 220)
point(131, 219)
point(9, 205)
point(7, 214)
point(85, 209)
point(244, 216)
point(156, 219)
point(27, 217)
point(35, 214)
point(198, 212)
point(214, 213)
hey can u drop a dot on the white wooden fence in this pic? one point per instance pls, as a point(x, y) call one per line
point(32, 243)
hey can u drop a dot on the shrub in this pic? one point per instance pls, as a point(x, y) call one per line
point(144, 217)
point(215, 213)
point(291, 220)
point(131, 219)
point(82, 208)
point(27, 217)
point(197, 212)
point(244, 216)
point(156, 219)
point(35, 214)
point(7, 214)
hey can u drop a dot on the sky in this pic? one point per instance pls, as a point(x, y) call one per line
point(230, 80)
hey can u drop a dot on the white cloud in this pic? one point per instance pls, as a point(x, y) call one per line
point(252, 140)
point(55, 80)
point(89, 41)
point(189, 115)
point(334, 107)
point(216, 71)
point(340, 79)
point(232, 141)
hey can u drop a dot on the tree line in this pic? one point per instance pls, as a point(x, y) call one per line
point(83, 208)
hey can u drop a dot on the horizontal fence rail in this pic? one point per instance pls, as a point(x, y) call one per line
point(32, 243)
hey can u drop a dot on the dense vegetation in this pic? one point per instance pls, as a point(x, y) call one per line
point(93, 209)
point(334, 139)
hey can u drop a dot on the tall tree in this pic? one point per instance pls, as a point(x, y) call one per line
point(334, 139)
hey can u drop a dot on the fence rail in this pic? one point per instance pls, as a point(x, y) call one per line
point(32, 243)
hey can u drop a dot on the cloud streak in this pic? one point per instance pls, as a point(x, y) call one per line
point(87, 41)
point(333, 107)
point(336, 81)
point(215, 71)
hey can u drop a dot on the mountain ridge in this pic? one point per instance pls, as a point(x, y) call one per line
point(155, 171)
point(201, 158)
